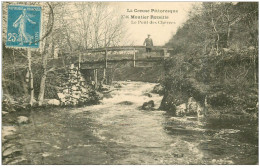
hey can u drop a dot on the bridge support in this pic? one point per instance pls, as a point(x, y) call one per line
point(95, 78)
point(104, 70)
point(104, 76)
point(106, 58)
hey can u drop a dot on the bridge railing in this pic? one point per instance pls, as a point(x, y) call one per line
point(124, 52)
point(122, 48)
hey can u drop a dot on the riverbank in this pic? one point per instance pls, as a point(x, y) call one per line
point(221, 85)
point(19, 117)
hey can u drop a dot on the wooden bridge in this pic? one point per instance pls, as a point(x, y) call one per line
point(101, 59)
point(105, 57)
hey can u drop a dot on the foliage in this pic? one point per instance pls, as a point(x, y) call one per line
point(216, 56)
point(213, 26)
point(66, 27)
point(227, 80)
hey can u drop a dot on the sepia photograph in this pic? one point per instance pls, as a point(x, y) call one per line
point(129, 83)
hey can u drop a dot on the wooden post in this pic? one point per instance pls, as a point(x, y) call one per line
point(134, 57)
point(106, 58)
point(79, 59)
point(164, 52)
point(78, 70)
point(104, 76)
point(29, 54)
point(111, 76)
point(95, 78)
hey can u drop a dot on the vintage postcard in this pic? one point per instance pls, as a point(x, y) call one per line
point(130, 83)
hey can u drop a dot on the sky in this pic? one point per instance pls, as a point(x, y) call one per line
point(160, 33)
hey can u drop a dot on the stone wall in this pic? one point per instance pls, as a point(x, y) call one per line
point(75, 90)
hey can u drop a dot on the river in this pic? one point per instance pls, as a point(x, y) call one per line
point(117, 131)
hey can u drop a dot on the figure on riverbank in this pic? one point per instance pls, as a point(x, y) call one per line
point(148, 42)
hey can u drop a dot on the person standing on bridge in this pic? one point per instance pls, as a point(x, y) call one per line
point(148, 42)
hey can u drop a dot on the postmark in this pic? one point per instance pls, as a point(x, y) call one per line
point(24, 26)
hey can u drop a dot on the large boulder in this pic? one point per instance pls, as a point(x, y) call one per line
point(158, 89)
point(148, 105)
point(171, 100)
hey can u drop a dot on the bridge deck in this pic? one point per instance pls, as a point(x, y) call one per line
point(125, 48)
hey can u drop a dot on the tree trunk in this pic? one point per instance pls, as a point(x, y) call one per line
point(42, 87)
point(29, 54)
point(48, 44)
point(255, 68)
point(44, 75)
point(228, 34)
point(215, 29)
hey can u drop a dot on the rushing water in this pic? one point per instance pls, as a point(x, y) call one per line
point(117, 131)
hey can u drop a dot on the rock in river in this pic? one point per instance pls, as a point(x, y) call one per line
point(159, 89)
point(148, 95)
point(125, 103)
point(117, 85)
point(148, 105)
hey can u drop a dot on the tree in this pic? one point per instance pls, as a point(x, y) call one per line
point(96, 26)
point(46, 53)
point(216, 25)
point(67, 26)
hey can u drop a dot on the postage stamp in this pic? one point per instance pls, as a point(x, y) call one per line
point(24, 26)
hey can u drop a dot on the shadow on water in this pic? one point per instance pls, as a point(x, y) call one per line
point(222, 140)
